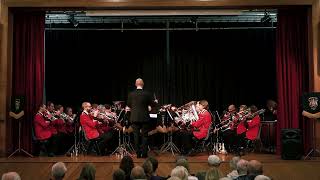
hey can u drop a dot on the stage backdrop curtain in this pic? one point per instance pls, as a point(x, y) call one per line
point(292, 74)
point(28, 72)
point(219, 66)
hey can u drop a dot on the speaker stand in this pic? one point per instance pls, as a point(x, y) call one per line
point(314, 152)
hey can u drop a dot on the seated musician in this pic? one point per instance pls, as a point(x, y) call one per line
point(252, 123)
point(42, 129)
point(70, 120)
point(89, 126)
point(65, 128)
point(241, 129)
point(56, 127)
point(227, 128)
point(200, 126)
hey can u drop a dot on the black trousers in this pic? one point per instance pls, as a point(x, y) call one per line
point(229, 139)
point(140, 136)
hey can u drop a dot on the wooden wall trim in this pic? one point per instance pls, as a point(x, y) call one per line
point(152, 3)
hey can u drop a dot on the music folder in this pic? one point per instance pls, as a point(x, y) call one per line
point(153, 116)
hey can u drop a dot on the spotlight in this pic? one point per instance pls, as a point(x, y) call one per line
point(73, 21)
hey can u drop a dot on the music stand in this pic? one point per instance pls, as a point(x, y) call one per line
point(311, 108)
point(15, 114)
point(169, 145)
point(121, 149)
point(78, 146)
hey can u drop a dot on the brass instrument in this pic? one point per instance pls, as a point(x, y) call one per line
point(49, 116)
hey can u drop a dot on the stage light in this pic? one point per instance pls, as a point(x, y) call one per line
point(73, 21)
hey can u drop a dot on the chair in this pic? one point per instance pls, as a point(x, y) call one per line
point(256, 142)
point(92, 142)
point(201, 143)
point(42, 143)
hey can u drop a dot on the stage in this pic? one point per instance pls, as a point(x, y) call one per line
point(274, 166)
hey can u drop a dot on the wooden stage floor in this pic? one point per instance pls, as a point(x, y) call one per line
point(39, 167)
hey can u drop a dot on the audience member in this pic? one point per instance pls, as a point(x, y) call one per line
point(88, 172)
point(254, 169)
point(262, 177)
point(10, 176)
point(180, 172)
point(213, 162)
point(138, 173)
point(58, 171)
point(242, 169)
point(119, 174)
point(212, 174)
point(185, 163)
point(148, 169)
point(154, 163)
point(233, 165)
point(126, 165)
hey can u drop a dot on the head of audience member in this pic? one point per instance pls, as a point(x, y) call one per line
point(180, 172)
point(212, 174)
point(232, 108)
point(173, 178)
point(242, 108)
point(42, 108)
point(139, 83)
point(225, 178)
point(154, 163)
point(86, 106)
point(184, 163)
point(126, 164)
point(148, 169)
point(119, 174)
point(88, 172)
point(69, 111)
point(214, 161)
point(138, 173)
point(262, 177)
point(50, 106)
point(242, 167)
point(233, 162)
point(58, 171)
point(10, 176)
point(255, 168)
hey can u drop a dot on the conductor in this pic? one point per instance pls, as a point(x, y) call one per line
point(140, 103)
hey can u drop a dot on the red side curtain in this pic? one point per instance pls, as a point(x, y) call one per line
point(292, 70)
point(27, 72)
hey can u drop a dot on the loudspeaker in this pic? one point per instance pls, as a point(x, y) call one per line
point(291, 142)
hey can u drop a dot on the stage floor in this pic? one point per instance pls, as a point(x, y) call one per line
point(274, 166)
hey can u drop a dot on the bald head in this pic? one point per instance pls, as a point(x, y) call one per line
point(255, 167)
point(10, 176)
point(242, 167)
point(262, 177)
point(139, 83)
point(58, 170)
